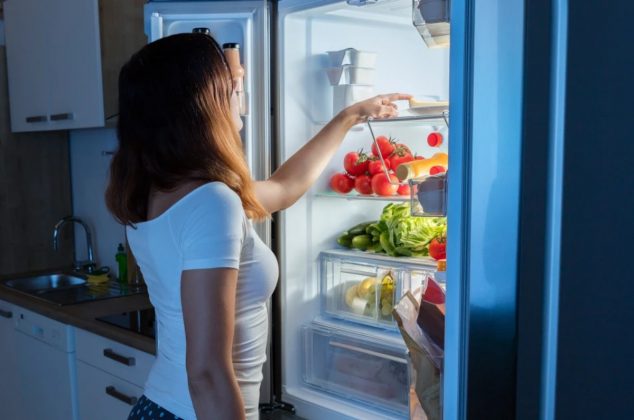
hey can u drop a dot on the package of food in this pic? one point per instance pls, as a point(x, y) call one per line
point(425, 356)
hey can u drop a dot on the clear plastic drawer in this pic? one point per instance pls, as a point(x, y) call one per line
point(369, 369)
point(363, 287)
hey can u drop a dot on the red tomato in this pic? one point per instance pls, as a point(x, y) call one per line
point(396, 160)
point(401, 154)
point(386, 146)
point(356, 163)
point(434, 139)
point(376, 167)
point(403, 189)
point(438, 248)
point(363, 185)
point(436, 170)
point(341, 183)
point(382, 186)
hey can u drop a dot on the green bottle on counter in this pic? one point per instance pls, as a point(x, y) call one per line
point(122, 261)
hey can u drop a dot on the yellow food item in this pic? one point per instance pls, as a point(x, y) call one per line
point(415, 103)
point(366, 287)
point(351, 293)
point(418, 168)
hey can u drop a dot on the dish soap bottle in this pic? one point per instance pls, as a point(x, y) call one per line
point(122, 262)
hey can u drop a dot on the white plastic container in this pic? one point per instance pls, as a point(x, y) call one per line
point(363, 287)
point(353, 365)
point(348, 74)
point(352, 56)
point(346, 95)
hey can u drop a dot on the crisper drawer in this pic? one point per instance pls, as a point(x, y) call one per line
point(363, 287)
point(103, 396)
point(118, 359)
point(370, 369)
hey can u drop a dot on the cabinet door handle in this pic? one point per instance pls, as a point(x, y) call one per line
point(63, 116)
point(124, 360)
point(112, 391)
point(36, 118)
point(6, 314)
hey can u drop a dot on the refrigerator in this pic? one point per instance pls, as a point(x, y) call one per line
point(327, 361)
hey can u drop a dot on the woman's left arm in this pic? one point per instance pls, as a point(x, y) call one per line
point(291, 180)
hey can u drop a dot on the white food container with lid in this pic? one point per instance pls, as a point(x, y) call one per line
point(348, 74)
point(352, 56)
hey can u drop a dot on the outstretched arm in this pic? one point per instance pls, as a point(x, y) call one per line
point(300, 171)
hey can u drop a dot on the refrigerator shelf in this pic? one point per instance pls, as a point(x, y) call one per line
point(355, 196)
point(435, 119)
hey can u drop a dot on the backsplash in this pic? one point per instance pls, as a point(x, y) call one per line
point(89, 174)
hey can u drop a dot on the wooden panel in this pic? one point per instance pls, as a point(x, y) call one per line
point(34, 193)
point(121, 27)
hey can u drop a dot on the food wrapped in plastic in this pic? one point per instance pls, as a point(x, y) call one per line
point(426, 356)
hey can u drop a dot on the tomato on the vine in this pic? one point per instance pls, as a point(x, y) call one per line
point(438, 248)
point(341, 183)
point(356, 163)
point(382, 186)
point(386, 146)
point(376, 167)
point(363, 185)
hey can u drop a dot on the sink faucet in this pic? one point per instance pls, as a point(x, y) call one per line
point(89, 265)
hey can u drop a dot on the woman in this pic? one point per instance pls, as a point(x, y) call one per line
point(180, 183)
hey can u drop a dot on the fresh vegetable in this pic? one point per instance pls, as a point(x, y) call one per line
point(361, 242)
point(382, 186)
point(359, 229)
point(356, 163)
point(376, 166)
point(341, 183)
point(386, 146)
point(345, 240)
point(363, 184)
point(436, 170)
point(401, 154)
point(403, 189)
point(411, 233)
point(438, 248)
point(434, 139)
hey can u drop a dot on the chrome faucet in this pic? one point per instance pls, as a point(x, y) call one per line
point(90, 265)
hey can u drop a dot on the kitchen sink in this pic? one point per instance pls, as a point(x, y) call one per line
point(46, 283)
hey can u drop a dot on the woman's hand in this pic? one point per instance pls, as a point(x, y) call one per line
point(380, 106)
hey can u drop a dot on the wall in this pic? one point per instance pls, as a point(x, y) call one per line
point(34, 192)
point(89, 169)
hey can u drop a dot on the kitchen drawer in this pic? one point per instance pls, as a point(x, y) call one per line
point(371, 369)
point(363, 287)
point(103, 396)
point(118, 359)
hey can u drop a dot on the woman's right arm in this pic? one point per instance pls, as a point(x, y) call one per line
point(208, 300)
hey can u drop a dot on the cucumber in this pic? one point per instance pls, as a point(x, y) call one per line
point(361, 242)
point(359, 229)
point(345, 240)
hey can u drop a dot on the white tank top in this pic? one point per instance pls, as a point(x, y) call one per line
point(207, 228)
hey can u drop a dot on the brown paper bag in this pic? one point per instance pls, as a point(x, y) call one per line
point(426, 360)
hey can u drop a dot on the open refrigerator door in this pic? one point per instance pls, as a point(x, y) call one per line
point(342, 354)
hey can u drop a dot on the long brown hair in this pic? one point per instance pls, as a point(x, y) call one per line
point(175, 125)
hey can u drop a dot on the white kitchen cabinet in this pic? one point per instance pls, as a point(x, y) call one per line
point(9, 391)
point(64, 57)
point(103, 396)
point(54, 64)
point(110, 376)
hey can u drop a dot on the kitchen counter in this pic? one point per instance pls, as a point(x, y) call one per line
point(82, 315)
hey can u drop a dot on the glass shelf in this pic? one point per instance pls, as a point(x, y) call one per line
point(413, 120)
point(355, 196)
